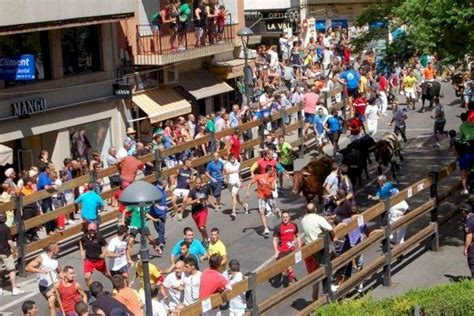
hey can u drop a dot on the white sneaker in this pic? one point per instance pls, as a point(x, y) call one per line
point(334, 288)
point(246, 208)
point(464, 192)
point(266, 232)
point(360, 288)
point(17, 291)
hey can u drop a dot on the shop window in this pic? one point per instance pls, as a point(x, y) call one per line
point(36, 44)
point(81, 50)
point(88, 138)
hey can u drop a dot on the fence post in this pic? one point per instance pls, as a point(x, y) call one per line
point(387, 250)
point(20, 242)
point(158, 162)
point(326, 99)
point(327, 266)
point(434, 212)
point(300, 132)
point(253, 293)
point(283, 122)
point(213, 147)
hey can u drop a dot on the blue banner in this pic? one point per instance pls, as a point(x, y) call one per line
point(378, 24)
point(321, 25)
point(342, 23)
point(17, 68)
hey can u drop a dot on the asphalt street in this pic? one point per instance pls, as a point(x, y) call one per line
point(245, 242)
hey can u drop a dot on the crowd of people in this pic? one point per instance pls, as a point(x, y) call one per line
point(290, 74)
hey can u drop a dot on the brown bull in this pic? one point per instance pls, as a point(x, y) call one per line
point(309, 180)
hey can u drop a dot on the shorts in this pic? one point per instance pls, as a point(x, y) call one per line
point(234, 187)
point(134, 231)
point(334, 136)
point(9, 262)
point(216, 188)
point(181, 193)
point(439, 127)
point(465, 161)
point(308, 118)
point(262, 204)
point(410, 94)
point(44, 290)
point(182, 27)
point(470, 263)
point(288, 167)
point(352, 92)
point(121, 271)
point(200, 218)
point(91, 265)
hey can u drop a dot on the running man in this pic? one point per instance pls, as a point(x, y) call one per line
point(119, 257)
point(184, 177)
point(285, 240)
point(409, 87)
point(69, 293)
point(198, 199)
point(215, 172)
point(266, 184)
point(285, 152)
point(234, 183)
point(93, 250)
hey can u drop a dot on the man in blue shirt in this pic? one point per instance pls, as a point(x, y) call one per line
point(333, 127)
point(351, 79)
point(319, 122)
point(91, 203)
point(385, 189)
point(158, 211)
point(195, 246)
point(215, 172)
point(46, 183)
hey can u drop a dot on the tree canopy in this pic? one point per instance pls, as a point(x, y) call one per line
point(444, 28)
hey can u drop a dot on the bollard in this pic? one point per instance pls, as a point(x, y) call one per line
point(387, 250)
point(20, 242)
point(434, 212)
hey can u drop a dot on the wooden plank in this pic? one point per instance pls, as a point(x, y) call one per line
point(107, 172)
point(447, 170)
point(414, 240)
point(7, 206)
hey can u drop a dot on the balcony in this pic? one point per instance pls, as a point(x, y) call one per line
point(20, 16)
point(157, 48)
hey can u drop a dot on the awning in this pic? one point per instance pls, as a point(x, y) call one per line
point(230, 69)
point(161, 104)
point(6, 155)
point(202, 84)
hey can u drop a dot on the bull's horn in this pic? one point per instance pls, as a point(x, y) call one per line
point(290, 173)
point(305, 173)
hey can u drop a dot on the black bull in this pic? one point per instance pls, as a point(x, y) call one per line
point(429, 91)
point(356, 156)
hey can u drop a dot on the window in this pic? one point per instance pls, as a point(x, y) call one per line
point(37, 44)
point(81, 50)
point(90, 137)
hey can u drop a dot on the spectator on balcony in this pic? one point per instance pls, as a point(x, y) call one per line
point(211, 22)
point(200, 23)
point(185, 13)
point(221, 15)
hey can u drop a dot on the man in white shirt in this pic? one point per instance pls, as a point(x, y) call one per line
point(174, 284)
point(313, 226)
point(238, 304)
point(192, 281)
point(371, 111)
point(118, 254)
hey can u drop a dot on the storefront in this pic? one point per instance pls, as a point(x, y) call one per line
point(271, 23)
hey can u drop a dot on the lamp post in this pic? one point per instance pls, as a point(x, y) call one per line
point(245, 34)
point(142, 194)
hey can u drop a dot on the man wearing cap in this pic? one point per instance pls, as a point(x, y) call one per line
point(468, 238)
point(93, 249)
point(130, 140)
point(10, 175)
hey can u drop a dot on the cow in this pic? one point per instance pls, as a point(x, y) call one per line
point(429, 91)
point(365, 145)
point(309, 180)
point(386, 149)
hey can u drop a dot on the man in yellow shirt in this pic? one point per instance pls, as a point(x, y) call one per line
point(363, 84)
point(217, 247)
point(409, 87)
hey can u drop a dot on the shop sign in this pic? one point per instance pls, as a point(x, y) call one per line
point(17, 68)
point(277, 26)
point(30, 106)
point(123, 90)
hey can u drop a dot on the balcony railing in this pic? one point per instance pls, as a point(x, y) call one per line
point(167, 41)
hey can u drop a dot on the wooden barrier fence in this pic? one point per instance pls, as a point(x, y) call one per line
point(157, 157)
point(322, 244)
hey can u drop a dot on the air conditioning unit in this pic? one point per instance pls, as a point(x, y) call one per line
point(170, 75)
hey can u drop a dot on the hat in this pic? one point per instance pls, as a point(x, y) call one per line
point(130, 130)
point(9, 172)
point(92, 226)
point(32, 173)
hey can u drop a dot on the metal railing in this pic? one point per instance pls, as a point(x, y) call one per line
point(171, 40)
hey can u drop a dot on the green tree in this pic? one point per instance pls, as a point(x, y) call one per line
point(444, 28)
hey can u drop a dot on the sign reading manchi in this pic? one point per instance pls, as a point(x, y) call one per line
point(17, 68)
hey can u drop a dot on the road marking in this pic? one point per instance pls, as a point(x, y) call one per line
point(263, 265)
point(19, 300)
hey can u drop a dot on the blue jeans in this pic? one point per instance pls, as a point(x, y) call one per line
point(160, 230)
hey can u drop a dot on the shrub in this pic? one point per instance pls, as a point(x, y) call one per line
point(447, 299)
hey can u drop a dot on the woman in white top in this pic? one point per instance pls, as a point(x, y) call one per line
point(47, 269)
point(232, 170)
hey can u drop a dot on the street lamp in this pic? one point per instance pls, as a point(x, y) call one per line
point(142, 194)
point(245, 34)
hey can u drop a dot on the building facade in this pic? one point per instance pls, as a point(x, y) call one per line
point(58, 62)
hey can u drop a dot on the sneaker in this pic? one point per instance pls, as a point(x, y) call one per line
point(180, 216)
point(277, 212)
point(464, 192)
point(17, 291)
point(360, 288)
point(246, 208)
point(233, 215)
point(436, 145)
point(71, 222)
point(266, 231)
point(334, 288)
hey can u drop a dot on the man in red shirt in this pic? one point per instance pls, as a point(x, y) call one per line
point(360, 104)
point(212, 281)
point(69, 292)
point(382, 92)
point(285, 238)
point(233, 146)
point(129, 167)
point(266, 184)
point(356, 127)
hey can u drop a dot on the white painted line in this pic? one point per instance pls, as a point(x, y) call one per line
point(19, 300)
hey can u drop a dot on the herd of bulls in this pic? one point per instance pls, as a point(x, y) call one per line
point(310, 179)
